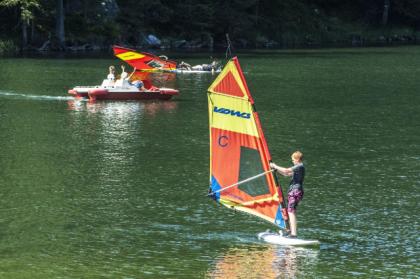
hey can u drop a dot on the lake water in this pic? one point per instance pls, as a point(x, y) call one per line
point(118, 189)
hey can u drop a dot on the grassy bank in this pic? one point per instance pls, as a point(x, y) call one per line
point(8, 47)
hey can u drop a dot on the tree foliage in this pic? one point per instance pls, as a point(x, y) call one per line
point(249, 22)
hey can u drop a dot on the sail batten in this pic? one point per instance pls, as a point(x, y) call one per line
point(238, 150)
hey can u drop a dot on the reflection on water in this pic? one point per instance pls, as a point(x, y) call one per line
point(163, 79)
point(117, 189)
point(121, 109)
point(116, 128)
point(264, 262)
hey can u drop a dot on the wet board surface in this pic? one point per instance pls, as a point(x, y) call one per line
point(275, 238)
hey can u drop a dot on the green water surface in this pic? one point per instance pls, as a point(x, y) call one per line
point(118, 189)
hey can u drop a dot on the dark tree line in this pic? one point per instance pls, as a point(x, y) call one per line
point(57, 24)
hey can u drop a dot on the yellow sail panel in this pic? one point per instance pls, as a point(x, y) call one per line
point(232, 114)
point(129, 55)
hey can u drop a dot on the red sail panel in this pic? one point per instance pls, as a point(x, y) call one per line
point(228, 85)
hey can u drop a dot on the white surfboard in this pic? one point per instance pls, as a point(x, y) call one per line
point(275, 238)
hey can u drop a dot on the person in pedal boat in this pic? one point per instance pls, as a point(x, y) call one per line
point(184, 66)
point(295, 192)
point(206, 67)
point(139, 84)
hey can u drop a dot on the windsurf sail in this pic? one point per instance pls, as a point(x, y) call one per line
point(240, 174)
point(143, 61)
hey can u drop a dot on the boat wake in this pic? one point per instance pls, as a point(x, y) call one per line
point(36, 97)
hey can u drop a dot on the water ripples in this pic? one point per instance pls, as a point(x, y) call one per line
point(118, 189)
point(35, 97)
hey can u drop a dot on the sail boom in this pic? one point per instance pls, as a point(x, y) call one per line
point(243, 181)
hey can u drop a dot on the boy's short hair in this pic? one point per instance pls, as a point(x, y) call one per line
point(297, 155)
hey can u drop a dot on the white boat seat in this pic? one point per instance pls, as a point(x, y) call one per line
point(122, 83)
point(107, 82)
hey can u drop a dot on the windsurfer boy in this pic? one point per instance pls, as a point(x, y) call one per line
point(295, 192)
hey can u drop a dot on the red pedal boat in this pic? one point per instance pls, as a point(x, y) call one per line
point(122, 91)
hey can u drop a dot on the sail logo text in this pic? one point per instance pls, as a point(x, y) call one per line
point(232, 112)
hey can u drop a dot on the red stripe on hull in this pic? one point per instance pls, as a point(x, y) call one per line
point(101, 94)
point(131, 96)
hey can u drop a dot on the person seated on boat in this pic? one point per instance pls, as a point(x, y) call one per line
point(212, 67)
point(206, 67)
point(139, 84)
point(198, 67)
point(202, 67)
point(215, 65)
point(184, 66)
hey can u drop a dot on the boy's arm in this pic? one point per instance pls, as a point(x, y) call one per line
point(132, 73)
point(283, 171)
